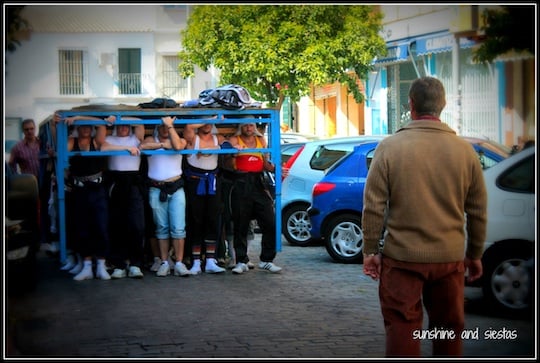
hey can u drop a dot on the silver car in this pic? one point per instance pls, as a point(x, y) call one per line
point(508, 260)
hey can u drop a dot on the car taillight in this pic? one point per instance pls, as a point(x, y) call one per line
point(322, 187)
point(292, 159)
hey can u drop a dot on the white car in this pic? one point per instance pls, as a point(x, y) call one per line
point(289, 137)
point(508, 260)
point(293, 137)
point(306, 167)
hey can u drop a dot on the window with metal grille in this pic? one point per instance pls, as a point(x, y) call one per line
point(129, 71)
point(174, 86)
point(71, 72)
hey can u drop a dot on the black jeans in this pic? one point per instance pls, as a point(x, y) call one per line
point(127, 219)
point(250, 200)
point(203, 214)
point(90, 215)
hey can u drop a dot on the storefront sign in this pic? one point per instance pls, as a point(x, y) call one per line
point(439, 44)
point(395, 53)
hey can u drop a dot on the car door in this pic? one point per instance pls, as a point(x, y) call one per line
point(511, 201)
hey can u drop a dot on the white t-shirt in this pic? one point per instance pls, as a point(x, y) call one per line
point(204, 161)
point(124, 162)
point(162, 167)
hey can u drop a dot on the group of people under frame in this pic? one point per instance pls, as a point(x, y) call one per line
point(192, 212)
point(191, 204)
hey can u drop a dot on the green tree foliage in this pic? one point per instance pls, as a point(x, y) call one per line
point(13, 27)
point(280, 50)
point(507, 28)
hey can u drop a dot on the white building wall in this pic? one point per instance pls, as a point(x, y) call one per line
point(305, 122)
point(403, 21)
point(32, 78)
point(31, 87)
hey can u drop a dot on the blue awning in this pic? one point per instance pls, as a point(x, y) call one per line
point(440, 43)
point(397, 52)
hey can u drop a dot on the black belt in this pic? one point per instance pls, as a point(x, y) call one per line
point(157, 183)
point(167, 188)
point(89, 178)
point(79, 183)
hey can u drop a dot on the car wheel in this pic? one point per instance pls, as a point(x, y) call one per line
point(296, 225)
point(508, 278)
point(344, 238)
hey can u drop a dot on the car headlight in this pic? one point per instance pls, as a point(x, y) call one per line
point(18, 253)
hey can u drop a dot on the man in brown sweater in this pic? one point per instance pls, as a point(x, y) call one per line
point(425, 189)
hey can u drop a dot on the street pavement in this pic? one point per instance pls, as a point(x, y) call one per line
point(314, 308)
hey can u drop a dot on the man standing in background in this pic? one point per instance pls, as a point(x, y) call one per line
point(24, 156)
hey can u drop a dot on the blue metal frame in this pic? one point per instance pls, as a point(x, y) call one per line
point(217, 116)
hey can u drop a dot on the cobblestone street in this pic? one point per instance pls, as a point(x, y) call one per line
point(314, 308)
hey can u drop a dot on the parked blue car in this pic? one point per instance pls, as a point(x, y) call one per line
point(337, 199)
point(337, 202)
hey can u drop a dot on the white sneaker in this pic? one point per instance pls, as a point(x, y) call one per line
point(212, 267)
point(231, 264)
point(118, 273)
point(250, 265)
point(85, 274)
point(269, 266)
point(196, 268)
point(163, 270)
point(101, 270)
point(155, 266)
point(102, 274)
point(180, 269)
point(240, 268)
point(135, 272)
point(70, 262)
point(77, 268)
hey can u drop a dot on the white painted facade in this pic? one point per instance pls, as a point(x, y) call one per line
point(32, 87)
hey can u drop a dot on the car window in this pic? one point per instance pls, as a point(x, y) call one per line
point(489, 152)
point(485, 160)
point(288, 152)
point(326, 156)
point(519, 178)
point(497, 148)
point(369, 157)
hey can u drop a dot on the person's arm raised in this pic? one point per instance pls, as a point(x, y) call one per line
point(177, 143)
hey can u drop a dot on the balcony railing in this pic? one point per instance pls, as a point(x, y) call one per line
point(129, 83)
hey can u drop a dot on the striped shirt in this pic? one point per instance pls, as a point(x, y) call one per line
point(26, 155)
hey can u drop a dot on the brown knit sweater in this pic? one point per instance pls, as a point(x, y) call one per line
point(433, 183)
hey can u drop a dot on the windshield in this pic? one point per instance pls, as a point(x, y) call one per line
point(489, 152)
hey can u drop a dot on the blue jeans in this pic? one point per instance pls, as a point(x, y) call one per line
point(169, 216)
